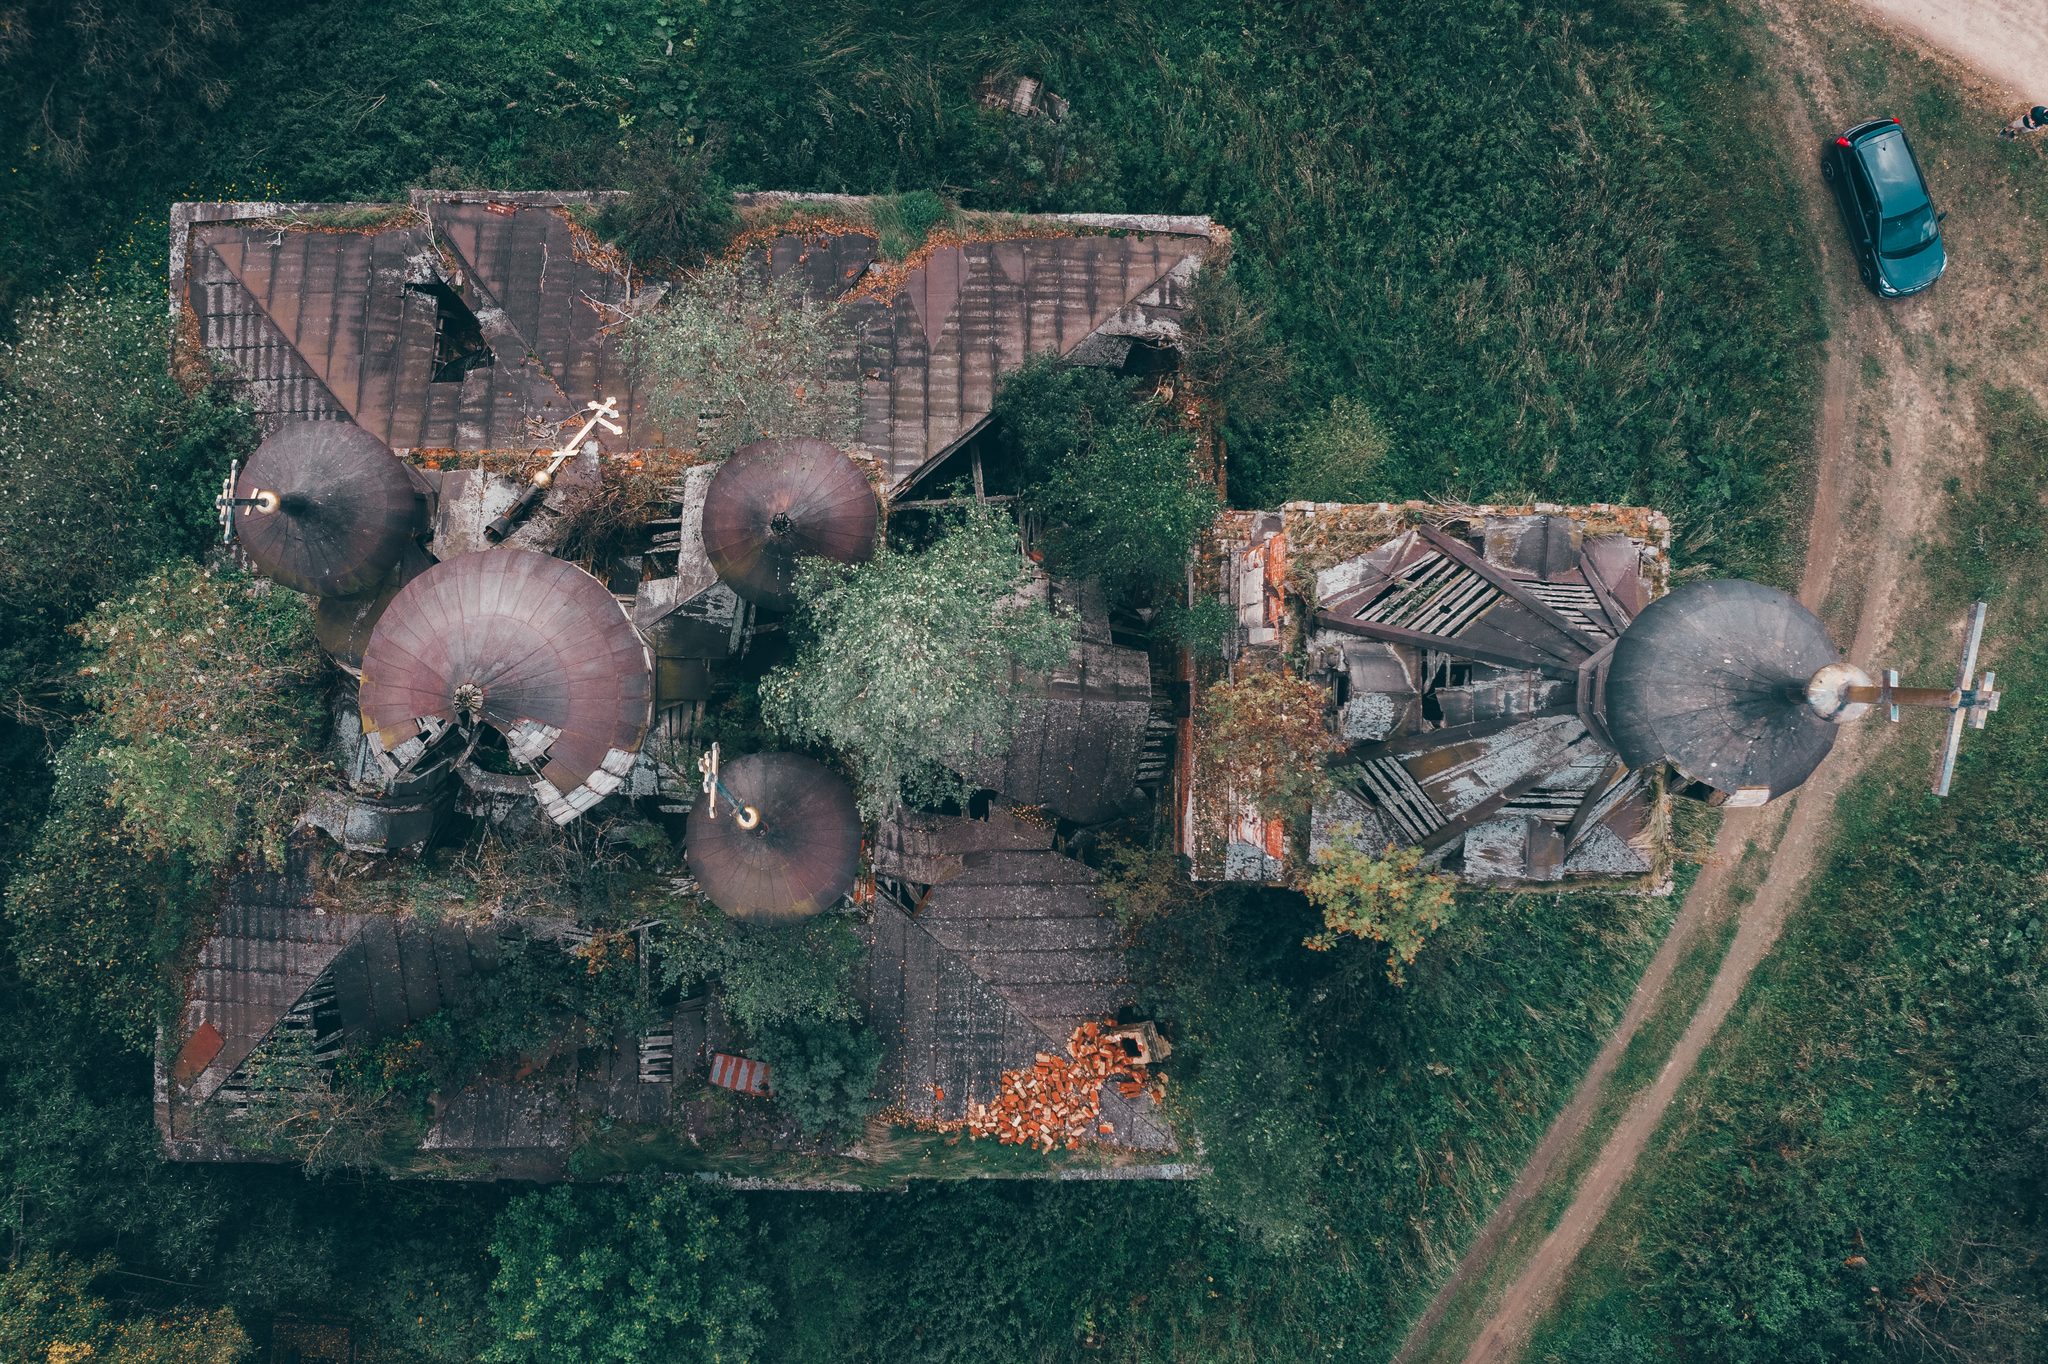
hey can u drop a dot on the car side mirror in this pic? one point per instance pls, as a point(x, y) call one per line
point(1939, 216)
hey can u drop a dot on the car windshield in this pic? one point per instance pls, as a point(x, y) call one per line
point(1907, 233)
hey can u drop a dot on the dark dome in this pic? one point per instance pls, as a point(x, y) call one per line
point(777, 501)
point(1712, 678)
point(555, 665)
point(349, 508)
point(798, 860)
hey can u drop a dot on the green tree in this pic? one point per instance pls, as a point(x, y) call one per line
point(822, 1071)
point(647, 1271)
point(1127, 508)
point(208, 713)
point(768, 976)
point(1383, 898)
point(731, 356)
point(959, 641)
point(48, 1313)
point(1334, 457)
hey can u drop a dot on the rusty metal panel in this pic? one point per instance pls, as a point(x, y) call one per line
point(540, 639)
point(347, 508)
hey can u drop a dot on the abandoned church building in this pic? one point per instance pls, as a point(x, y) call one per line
point(408, 373)
point(441, 385)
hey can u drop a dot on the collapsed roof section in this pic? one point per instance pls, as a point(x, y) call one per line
point(455, 322)
point(986, 948)
point(1463, 652)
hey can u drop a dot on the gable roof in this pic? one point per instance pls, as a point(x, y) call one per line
point(1003, 960)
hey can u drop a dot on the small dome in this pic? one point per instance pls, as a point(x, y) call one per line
point(778, 501)
point(797, 860)
point(1712, 678)
point(348, 508)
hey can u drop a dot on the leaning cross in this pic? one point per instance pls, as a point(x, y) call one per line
point(1842, 691)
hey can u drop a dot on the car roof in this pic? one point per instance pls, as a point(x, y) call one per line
point(1889, 164)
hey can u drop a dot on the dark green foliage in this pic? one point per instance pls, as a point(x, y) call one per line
point(822, 1071)
point(904, 220)
point(96, 923)
point(646, 1271)
point(1047, 410)
point(768, 975)
point(678, 210)
point(2012, 1067)
point(538, 994)
point(1203, 627)
point(1119, 492)
point(1127, 508)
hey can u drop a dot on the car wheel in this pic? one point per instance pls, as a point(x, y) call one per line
point(1869, 279)
point(1827, 169)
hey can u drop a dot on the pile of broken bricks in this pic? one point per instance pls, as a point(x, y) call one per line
point(1058, 1101)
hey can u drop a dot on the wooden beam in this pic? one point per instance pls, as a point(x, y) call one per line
point(1494, 804)
point(1444, 644)
point(923, 503)
point(1509, 587)
point(1617, 615)
point(1453, 734)
point(1614, 772)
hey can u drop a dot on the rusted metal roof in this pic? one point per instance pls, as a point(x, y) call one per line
point(778, 502)
point(347, 508)
point(559, 669)
point(800, 856)
point(492, 345)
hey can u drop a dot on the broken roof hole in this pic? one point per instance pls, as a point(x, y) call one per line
point(459, 345)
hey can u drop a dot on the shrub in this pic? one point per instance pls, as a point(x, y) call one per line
point(112, 467)
point(823, 1072)
point(48, 1312)
point(678, 210)
point(905, 220)
point(202, 679)
point(730, 357)
point(1204, 627)
point(959, 638)
point(1127, 507)
point(1048, 408)
point(1334, 457)
point(1383, 898)
point(647, 1271)
point(768, 976)
point(1265, 733)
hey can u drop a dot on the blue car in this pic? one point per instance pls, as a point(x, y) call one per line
point(1893, 227)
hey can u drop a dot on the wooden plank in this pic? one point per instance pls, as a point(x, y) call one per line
point(1098, 934)
point(1492, 805)
point(1453, 734)
point(1526, 656)
point(418, 971)
point(1462, 554)
point(387, 988)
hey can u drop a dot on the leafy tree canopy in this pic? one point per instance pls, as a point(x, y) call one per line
point(959, 639)
point(49, 1312)
point(648, 1271)
point(1383, 898)
point(730, 357)
point(822, 1071)
point(768, 976)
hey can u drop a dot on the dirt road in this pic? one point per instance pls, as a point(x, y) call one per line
point(2006, 40)
point(1864, 523)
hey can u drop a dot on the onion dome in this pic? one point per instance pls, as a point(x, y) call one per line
point(1712, 678)
point(346, 508)
point(776, 502)
point(526, 643)
point(803, 848)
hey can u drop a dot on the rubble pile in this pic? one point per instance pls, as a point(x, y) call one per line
point(1058, 1101)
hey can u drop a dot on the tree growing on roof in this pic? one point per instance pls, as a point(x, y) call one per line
point(1384, 898)
point(909, 664)
point(822, 1071)
point(730, 357)
point(1264, 733)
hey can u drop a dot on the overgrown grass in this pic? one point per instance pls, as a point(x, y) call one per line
point(1841, 1113)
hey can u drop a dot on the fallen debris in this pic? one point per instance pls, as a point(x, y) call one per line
point(1058, 1102)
